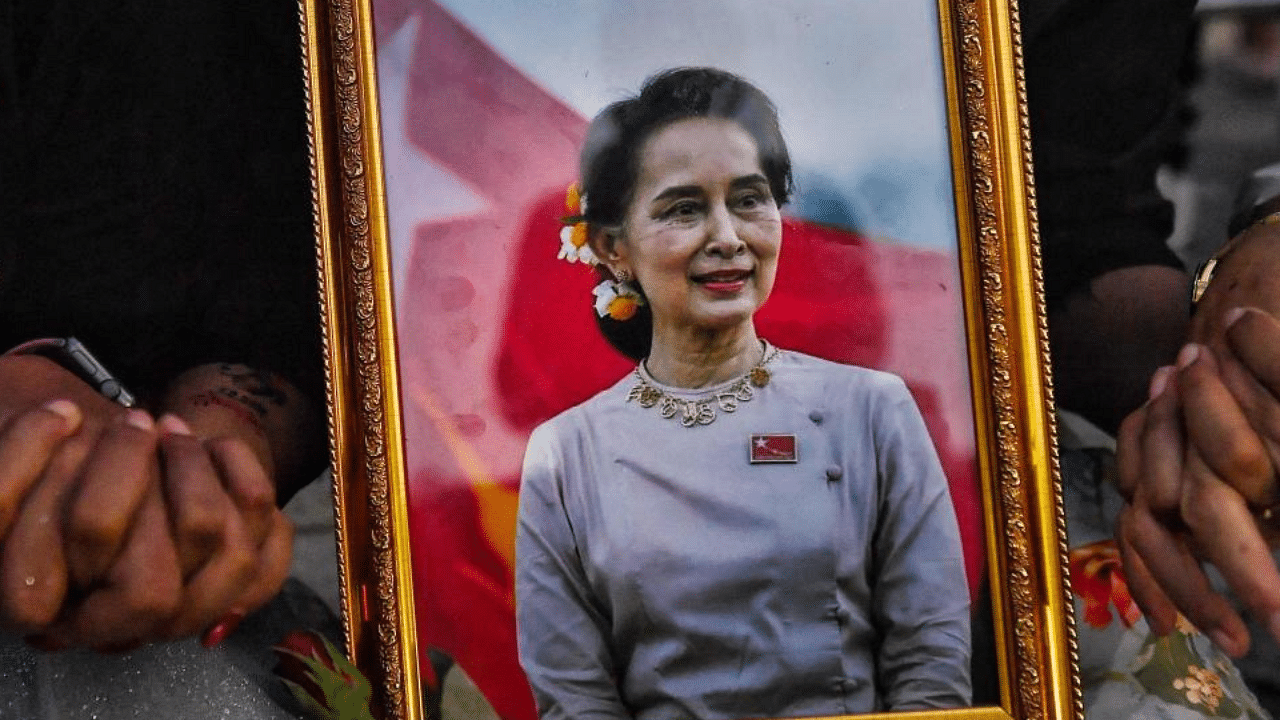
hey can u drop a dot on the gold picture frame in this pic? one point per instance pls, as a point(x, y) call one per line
point(1015, 442)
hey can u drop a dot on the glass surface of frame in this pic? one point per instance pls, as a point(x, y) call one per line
point(445, 136)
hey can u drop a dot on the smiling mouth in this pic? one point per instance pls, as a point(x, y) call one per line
point(723, 281)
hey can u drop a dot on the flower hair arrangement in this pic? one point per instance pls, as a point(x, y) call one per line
point(573, 236)
point(615, 296)
point(616, 299)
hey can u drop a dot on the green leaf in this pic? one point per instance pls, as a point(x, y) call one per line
point(346, 691)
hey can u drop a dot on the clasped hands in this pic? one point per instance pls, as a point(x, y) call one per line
point(120, 529)
point(1197, 466)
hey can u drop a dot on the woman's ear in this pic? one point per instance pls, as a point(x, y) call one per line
point(606, 244)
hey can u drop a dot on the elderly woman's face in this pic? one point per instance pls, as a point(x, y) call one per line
point(702, 232)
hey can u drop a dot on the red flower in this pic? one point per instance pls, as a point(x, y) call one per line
point(1097, 576)
point(327, 684)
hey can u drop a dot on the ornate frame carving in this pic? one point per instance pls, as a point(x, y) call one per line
point(1004, 310)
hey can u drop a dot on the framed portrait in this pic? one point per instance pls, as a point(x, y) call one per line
point(461, 316)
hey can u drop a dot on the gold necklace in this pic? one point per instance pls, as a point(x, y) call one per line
point(701, 411)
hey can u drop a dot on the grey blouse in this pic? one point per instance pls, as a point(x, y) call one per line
point(660, 574)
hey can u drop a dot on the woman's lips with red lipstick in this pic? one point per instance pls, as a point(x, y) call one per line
point(723, 280)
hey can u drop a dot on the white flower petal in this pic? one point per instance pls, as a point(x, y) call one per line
point(605, 293)
point(567, 249)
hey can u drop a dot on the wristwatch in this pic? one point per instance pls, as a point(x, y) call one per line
point(72, 355)
point(1204, 272)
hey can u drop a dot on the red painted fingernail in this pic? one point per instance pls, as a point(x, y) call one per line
point(224, 627)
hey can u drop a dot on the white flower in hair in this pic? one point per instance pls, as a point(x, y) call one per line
point(573, 236)
point(573, 245)
point(616, 300)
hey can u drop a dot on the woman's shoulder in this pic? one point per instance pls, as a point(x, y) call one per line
point(831, 376)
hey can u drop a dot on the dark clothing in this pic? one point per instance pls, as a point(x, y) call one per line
point(154, 186)
point(1105, 105)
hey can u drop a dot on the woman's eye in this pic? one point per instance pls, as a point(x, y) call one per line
point(680, 210)
point(751, 200)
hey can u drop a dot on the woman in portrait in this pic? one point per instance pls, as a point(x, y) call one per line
point(733, 529)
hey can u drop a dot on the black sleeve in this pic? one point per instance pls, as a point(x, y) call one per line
point(154, 185)
point(1105, 100)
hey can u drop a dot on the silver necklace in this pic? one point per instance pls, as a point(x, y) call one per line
point(702, 410)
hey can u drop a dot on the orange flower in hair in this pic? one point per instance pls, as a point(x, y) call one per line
point(616, 300)
point(573, 236)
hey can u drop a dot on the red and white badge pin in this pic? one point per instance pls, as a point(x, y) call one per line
point(773, 448)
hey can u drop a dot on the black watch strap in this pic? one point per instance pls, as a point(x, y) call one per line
point(71, 354)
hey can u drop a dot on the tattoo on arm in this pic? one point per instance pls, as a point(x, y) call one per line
point(263, 386)
point(251, 394)
point(249, 412)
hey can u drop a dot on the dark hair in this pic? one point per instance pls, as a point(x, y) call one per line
point(610, 160)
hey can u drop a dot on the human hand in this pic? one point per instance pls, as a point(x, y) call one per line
point(1197, 464)
point(234, 543)
point(206, 546)
point(1233, 403)
point(1233, 414)
point(45, 459)
point(250, 422)
point(123, 532)
point(1180, 509)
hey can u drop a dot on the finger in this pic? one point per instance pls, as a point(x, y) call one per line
point(1128, 452)
point(239, 579)
point(199, 507)
point(1227, 535)
point(215, 588)
point(1161, 450)
point(1260, 408)
point(275, 561)
point(1156, 606)
point(275, 558)
point(33, 566)
point(108, 495)
point(1245, 386)
point(248, 484)
point(1219, 431)
point(1254, 337)
point(140, 595)
point(25, 450)
point(1129, 439)
point(1250, 368)
point(1172, 566)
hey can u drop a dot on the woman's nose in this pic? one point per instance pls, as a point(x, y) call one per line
point(722, 235)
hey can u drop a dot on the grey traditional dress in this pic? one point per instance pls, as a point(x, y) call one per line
point(661, 574)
